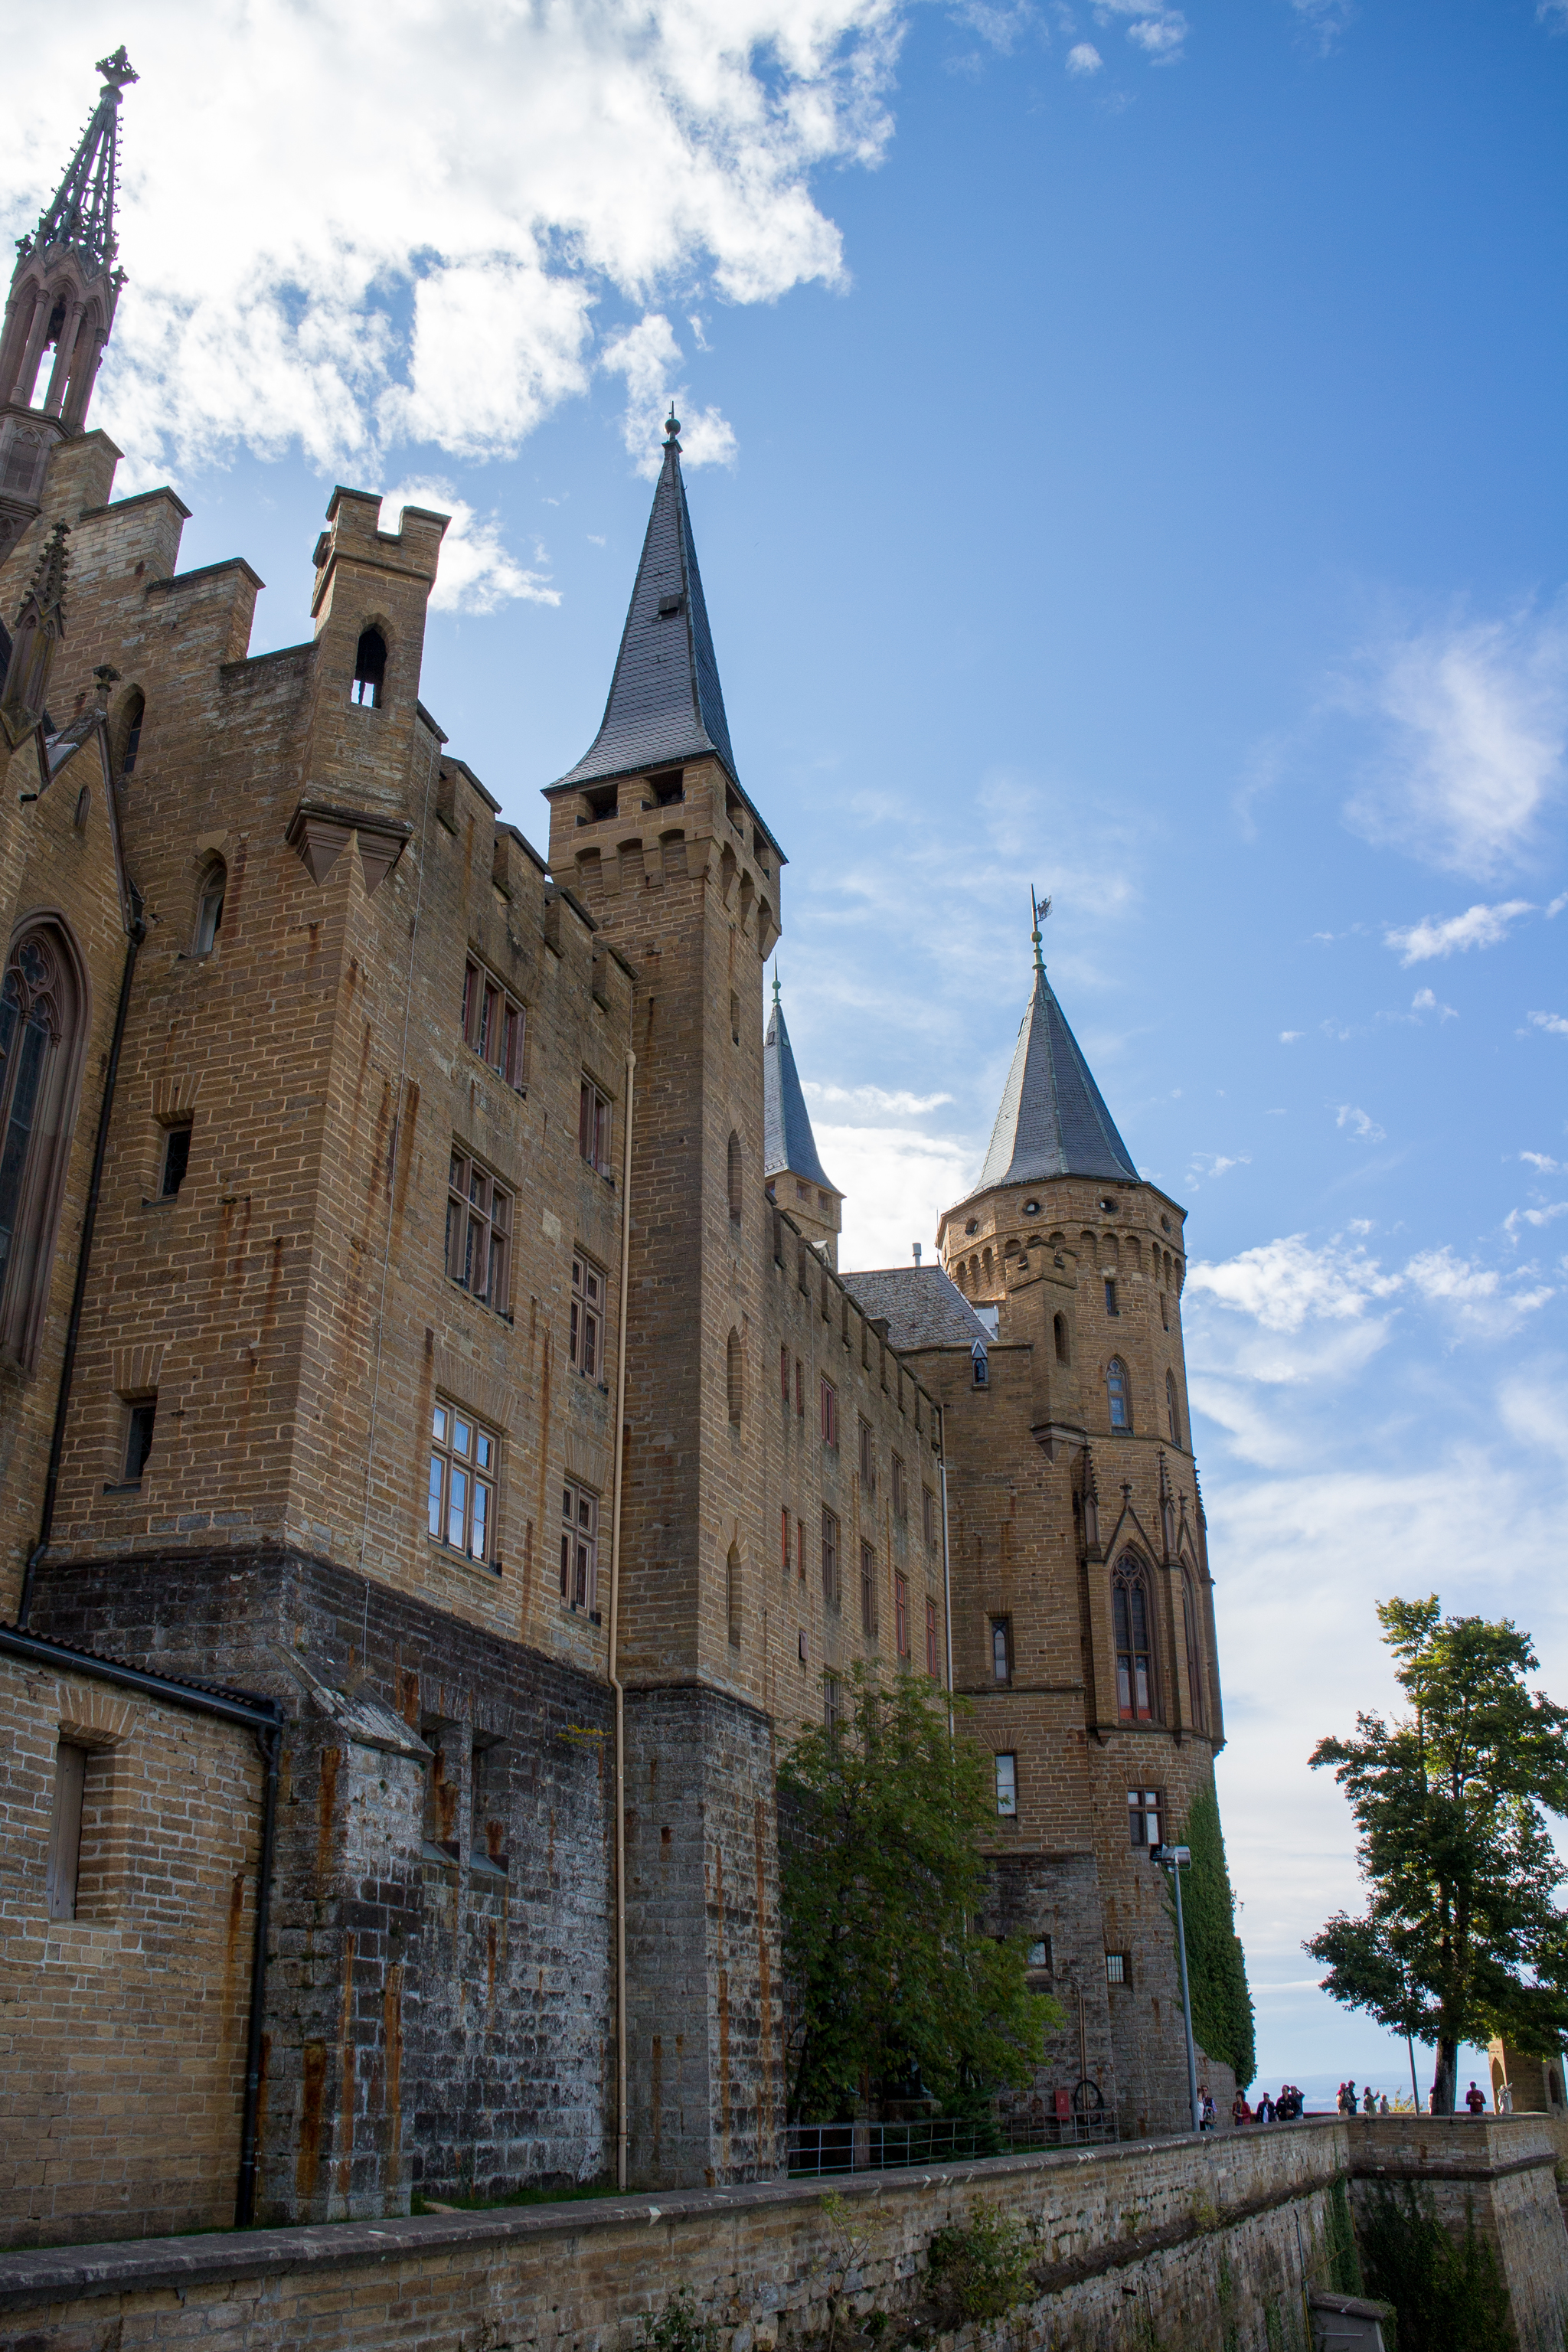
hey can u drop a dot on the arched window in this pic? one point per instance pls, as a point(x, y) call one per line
point(1064, 1346)
point(1171, 1415)
point(209, 907)
point(1195, 1654)
point(43, 1006)
point(1119, 1394)
point(1134, 1631)
point(734, 1178)
point(369, 671)
point(982, 1368)
point(732, 1377)
point(732, 1593)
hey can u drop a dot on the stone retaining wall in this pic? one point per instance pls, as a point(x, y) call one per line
point(1187, 2242)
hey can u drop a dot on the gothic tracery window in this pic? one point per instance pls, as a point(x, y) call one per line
point(1134, 1634)
point(41, 1005)
point(1117, 1394)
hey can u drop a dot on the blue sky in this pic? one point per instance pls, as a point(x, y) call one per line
point(1125, 450)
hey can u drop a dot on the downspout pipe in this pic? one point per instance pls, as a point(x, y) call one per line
point(946, 1579)
point(83, 1261)
point(245, 2199)
point(622, 2134)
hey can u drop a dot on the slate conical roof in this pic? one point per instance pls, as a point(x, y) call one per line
point(82, 213)
point(666, 705)
point(787, 1140)
point(1053, 1121)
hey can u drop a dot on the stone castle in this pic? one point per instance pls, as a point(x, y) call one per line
point(443, 1458)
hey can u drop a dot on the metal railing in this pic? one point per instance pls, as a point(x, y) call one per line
point(815, 2149)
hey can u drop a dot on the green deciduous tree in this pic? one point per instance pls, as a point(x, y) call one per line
point(1461, 1937)
point(882, 1880)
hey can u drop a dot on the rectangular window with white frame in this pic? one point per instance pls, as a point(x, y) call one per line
point(478, 1232)
point(579, 1546)
point(464, 1465)
point(587, 1318)
point(495, 1024)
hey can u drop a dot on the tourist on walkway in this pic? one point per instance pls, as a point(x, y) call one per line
point(1208, 2118)
point(1240, 2112)
point(1383, 2105)
point(1476, 2101)
point(1369, 2101)
point(1347, 2098)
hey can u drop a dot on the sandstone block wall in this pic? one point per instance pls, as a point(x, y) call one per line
point(122, 2031)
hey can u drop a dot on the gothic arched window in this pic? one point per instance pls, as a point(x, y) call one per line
point(209, 907)
point(1172, 1414)
point(734, 1376)
point(369, 671)
point(43, 1004)
point(1118, 1394)
point(1194, 1655)
point(734, 1178)
point(1133, 1623)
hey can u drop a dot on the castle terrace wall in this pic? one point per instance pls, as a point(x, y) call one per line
point(1186, 2242)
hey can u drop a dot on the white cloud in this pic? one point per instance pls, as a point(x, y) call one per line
point(1474, 1293)
point(897, 1182)
point(1214, 1163)
point(649, 358)
point(412, 222)
point(1285, 1284)
point(1289, 1037)
point(1537, 1217)
point(1542, 1162)
point(1552, 1022)
point(1000, 27)
point(1323, 20)
point(1425, 1001)
point(1478, 927)
point(1156, 28)
point(1083, 57)
point(898, 1103)
point(1360, 1124)
point(1474, 721)
point(476, 573)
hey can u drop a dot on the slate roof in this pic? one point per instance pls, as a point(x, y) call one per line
point(666, 705)
point(787, 1140)
point(1053, 1121)
point(924, 1308)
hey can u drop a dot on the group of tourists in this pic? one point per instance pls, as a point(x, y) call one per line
point(1371, 2103)
point(1287, 2108)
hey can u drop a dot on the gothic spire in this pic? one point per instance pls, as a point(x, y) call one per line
point(787, 1140)
point(82, 213)
point(666, 705)
point(1053, 1121)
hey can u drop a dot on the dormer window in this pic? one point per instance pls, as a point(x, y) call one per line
point(369, 689)
point(668, 606)
point(669, 789)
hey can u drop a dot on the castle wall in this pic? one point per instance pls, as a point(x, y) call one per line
point(122, 2030)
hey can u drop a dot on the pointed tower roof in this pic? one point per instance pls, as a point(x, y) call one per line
point(666, 705)
point(1053, 1121)
point(787, 1140)
point(82, 213)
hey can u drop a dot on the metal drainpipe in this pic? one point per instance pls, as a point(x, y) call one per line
point(84, 1255)
point(946, 1579)
point(620, 1837)
point(245, 2200)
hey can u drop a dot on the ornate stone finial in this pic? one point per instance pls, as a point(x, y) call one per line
point(1039, 909)
point(105, 676)
point(672, 429)
point(117, 70)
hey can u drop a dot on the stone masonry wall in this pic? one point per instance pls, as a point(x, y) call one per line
point(439, 1987)
point(1187, 2243)
point(122, 2031)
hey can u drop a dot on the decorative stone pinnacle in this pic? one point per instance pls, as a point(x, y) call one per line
point(118, 69)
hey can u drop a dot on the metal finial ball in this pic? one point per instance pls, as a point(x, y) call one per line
point(671, 424)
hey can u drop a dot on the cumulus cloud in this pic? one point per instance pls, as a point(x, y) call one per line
point(476, 573)
point(1083, 57)
point(1426, 1001)
point(649, 358)
point(896, 1102)
point(1360, 1124)
point(1158, 29)
point(1478, 927)
point(1473, 725)
point(415, 225)
point(1284, 1284)
point(1553, 1024)
point(897, 1182)
point(1542, 1162)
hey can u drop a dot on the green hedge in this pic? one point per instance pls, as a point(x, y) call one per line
point(1216, 1970)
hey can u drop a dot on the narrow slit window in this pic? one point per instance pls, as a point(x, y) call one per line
point(733, 1177)
point(209, 909)
point(65, 1829)
point(176, 1160)
point(829, 1559)
point(902, 1615)
point(868, 1589)
point(829, 1413)
point(140, 1419)
point(1059, 1331)
point(1117, 1394)
point(594, 1127)
point(1008, 1787)
point(1000, 1650)
point(1111, 1306)
point(1171, 1413)
point(734, 1381)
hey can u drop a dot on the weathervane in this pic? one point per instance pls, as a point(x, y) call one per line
point(1039, 909)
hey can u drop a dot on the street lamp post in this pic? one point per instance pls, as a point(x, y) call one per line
point(1174, 1857)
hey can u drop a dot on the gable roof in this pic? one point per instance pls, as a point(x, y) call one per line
point(665, 705)
point(787, 1140)
point(923, 1305)
point(1053, 1121)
